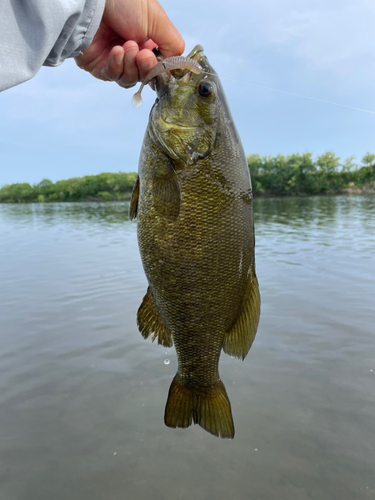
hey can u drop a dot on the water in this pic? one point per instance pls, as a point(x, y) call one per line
point(82, 395)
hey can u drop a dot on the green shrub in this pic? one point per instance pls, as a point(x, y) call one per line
point(300, 174)
point(107, 186)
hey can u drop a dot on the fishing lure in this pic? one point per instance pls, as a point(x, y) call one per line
point(176, 62)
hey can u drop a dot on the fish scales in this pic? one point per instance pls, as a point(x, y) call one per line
point(193, 202)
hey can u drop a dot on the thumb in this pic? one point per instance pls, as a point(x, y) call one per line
point(163, 32)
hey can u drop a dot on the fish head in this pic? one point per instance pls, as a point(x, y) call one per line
point(184, 119)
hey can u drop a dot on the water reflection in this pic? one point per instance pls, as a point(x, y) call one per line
point(56, 213)
point(82, 395)
point(303, 212)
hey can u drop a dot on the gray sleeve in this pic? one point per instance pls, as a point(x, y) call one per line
point(34, 33)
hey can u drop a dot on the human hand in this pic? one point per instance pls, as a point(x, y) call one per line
point(121, 50)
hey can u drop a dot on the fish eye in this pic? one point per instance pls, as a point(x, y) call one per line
point(205, 89)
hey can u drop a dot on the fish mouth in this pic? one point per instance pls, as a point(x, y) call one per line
point(162, 83)
point(178, 77)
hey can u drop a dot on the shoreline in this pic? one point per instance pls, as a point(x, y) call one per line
point(271, 177)
point(363, 190)
point(352, 190)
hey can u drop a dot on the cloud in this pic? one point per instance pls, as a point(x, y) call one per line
point(327, 38)
point(64, 122)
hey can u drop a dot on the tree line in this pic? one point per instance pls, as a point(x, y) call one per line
point(300, 174)
point(280, 175)
point(103, 187)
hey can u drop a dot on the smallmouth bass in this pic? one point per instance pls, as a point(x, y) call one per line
point(193, 202)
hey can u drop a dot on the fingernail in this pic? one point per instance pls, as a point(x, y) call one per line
point(130, 55)
point(118, 58)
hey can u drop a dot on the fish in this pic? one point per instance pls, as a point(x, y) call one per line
point(193, 203)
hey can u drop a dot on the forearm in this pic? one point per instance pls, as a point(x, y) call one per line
point(43, 32)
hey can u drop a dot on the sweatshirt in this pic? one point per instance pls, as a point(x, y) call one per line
point(35, 33)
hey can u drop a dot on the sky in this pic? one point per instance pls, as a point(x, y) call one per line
point(63, 123)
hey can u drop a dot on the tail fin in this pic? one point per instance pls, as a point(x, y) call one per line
point(210, 409)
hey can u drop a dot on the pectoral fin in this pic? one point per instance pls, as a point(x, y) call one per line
point(133, 209)
point(149, 322)
point(166, 190)
point(238, 339)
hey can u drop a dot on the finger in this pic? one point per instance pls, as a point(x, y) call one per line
point(149, 44)
point(113, 68)
point(129, 76)
point(145, 61)
point(94, 57)
point(163, 32)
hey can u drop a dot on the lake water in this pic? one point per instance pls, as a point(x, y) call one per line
point(82, 395)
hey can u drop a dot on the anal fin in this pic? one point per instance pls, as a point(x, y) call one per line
point(149, 322)
point(239, 338)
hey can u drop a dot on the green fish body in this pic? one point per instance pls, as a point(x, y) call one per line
point(193, 201)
